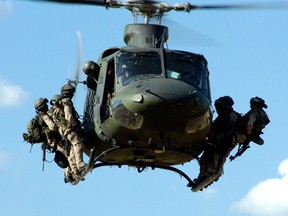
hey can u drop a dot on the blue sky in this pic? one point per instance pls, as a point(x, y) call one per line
point(247, 55)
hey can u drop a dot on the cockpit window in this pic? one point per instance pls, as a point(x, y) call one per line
point(187, 68)
point(133, 66)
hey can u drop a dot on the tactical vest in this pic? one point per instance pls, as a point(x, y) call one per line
point(44, 126)
point(59, 117)
point(223, 126)
point(226, 123)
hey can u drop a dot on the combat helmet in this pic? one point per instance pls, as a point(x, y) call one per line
point(91, 68)
point(258, 102)
point(67, 90)
point(54, 99)
point(224, 103)
point(40, 103)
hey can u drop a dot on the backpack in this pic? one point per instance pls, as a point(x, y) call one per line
point(36, 134)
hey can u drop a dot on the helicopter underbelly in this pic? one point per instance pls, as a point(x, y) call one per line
point(153, 153)
point(157, 157)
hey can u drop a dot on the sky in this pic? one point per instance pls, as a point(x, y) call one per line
point(247, 57)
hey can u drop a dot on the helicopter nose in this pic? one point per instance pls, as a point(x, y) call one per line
point(177, 99)
point(161, 102)
point(174, 104)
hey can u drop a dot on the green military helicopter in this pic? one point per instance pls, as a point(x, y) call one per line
point(146, 105)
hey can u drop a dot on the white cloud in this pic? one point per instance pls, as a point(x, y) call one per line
point(6, 8)
point(267, 198)
point(11, 95)
point(209, 193)
point(4, 158)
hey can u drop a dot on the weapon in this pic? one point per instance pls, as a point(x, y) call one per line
point(44, 147)
point(241, 149)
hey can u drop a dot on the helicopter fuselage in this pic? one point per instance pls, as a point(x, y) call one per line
point(152, 102)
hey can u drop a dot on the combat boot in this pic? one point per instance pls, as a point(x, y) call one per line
point(68, 174)
point(257, 139)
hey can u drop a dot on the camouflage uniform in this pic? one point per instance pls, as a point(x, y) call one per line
point(251, 126)
point(45, 121)
point(50, 129)
point(67, 121)
point(62, 146)
point(257, 119)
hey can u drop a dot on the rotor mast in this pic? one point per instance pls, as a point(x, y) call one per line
point(148, 35)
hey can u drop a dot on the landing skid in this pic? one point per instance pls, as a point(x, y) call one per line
point(93, 158)
point(206, 182)
point(140, 167)
point(210, 179)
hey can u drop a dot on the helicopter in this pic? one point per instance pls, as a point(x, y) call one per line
point(147, 106)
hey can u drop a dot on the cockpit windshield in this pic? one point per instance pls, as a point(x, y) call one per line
point(187, 68)
point(133, 66)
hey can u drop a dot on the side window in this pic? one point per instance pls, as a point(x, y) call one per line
point(108, 92)
point(110, 80)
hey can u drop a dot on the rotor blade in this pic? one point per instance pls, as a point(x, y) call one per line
point(87, 2)
point(268, 5)
point(79, 57)
point(183, 33)
point(178, 6)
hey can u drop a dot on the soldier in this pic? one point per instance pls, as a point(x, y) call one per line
point(257, 120)
point(45, 121)
point(222, 139)
point(63, 159)
point(109, 86)
point(54, 140)
point(53, 100)
point(124, 75)
point(42, 129)
point(91, 69)
point(251, 126)
point(67, 120)
point(224, 127)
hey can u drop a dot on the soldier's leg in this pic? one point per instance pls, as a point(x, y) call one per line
point(220, 159)
point(206, 161)
point(77, 146)
point(72, 162)
point(68, 176)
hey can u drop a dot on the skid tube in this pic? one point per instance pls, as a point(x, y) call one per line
point(140, 166)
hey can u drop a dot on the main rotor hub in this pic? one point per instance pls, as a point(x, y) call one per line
point(149, 8)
